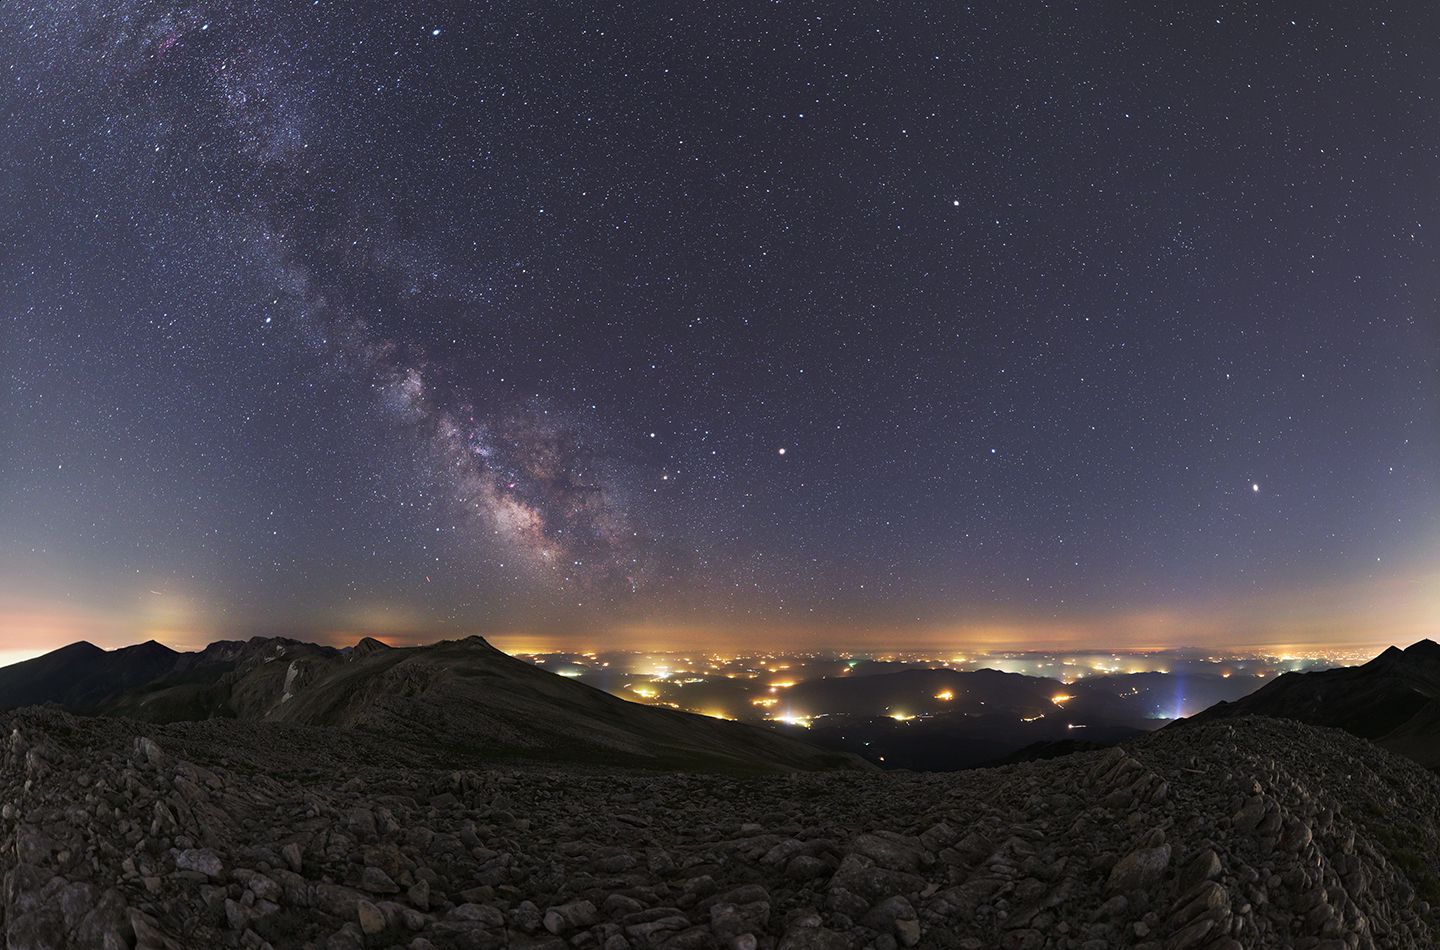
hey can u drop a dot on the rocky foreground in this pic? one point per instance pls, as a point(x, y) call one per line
point(1243, 833)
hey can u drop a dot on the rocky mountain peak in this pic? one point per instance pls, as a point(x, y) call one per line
point(367, 646)
point(1390, 656)
point(1424, 650)
point(473, 641)
point(149, 647)
point(78, 648)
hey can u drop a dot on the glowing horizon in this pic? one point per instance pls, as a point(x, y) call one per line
point(1370, 613)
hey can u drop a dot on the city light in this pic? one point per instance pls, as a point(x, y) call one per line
point(757, 687)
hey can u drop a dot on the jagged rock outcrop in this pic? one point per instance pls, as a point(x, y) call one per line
point(1248, 833)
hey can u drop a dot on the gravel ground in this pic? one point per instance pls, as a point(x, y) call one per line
point(1244, 833)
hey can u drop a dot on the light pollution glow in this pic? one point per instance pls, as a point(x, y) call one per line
point(1396, 609)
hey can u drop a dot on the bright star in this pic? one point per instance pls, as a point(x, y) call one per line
point(1254, 486)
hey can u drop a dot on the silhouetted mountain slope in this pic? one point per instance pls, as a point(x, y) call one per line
point(82, 675)
point(1418, 737)
point(1394, 700)
point(463, 697)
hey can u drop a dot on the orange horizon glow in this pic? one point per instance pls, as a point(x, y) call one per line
point(1372, 614)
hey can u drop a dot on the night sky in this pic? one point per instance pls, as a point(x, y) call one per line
point(734, 322)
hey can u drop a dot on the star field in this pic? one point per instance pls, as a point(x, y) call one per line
point(422, 318)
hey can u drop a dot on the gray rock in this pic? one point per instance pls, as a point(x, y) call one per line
point(200, 860)
point(572, 916)
point(370, 918)
point(892, 852)
point(1140, 869)
point(376, 881)
point(148, 751)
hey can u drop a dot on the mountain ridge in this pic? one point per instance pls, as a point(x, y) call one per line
point(462, 698)
point(1393, 700)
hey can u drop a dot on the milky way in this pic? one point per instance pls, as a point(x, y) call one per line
point(441, 317)
point(211, 85)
